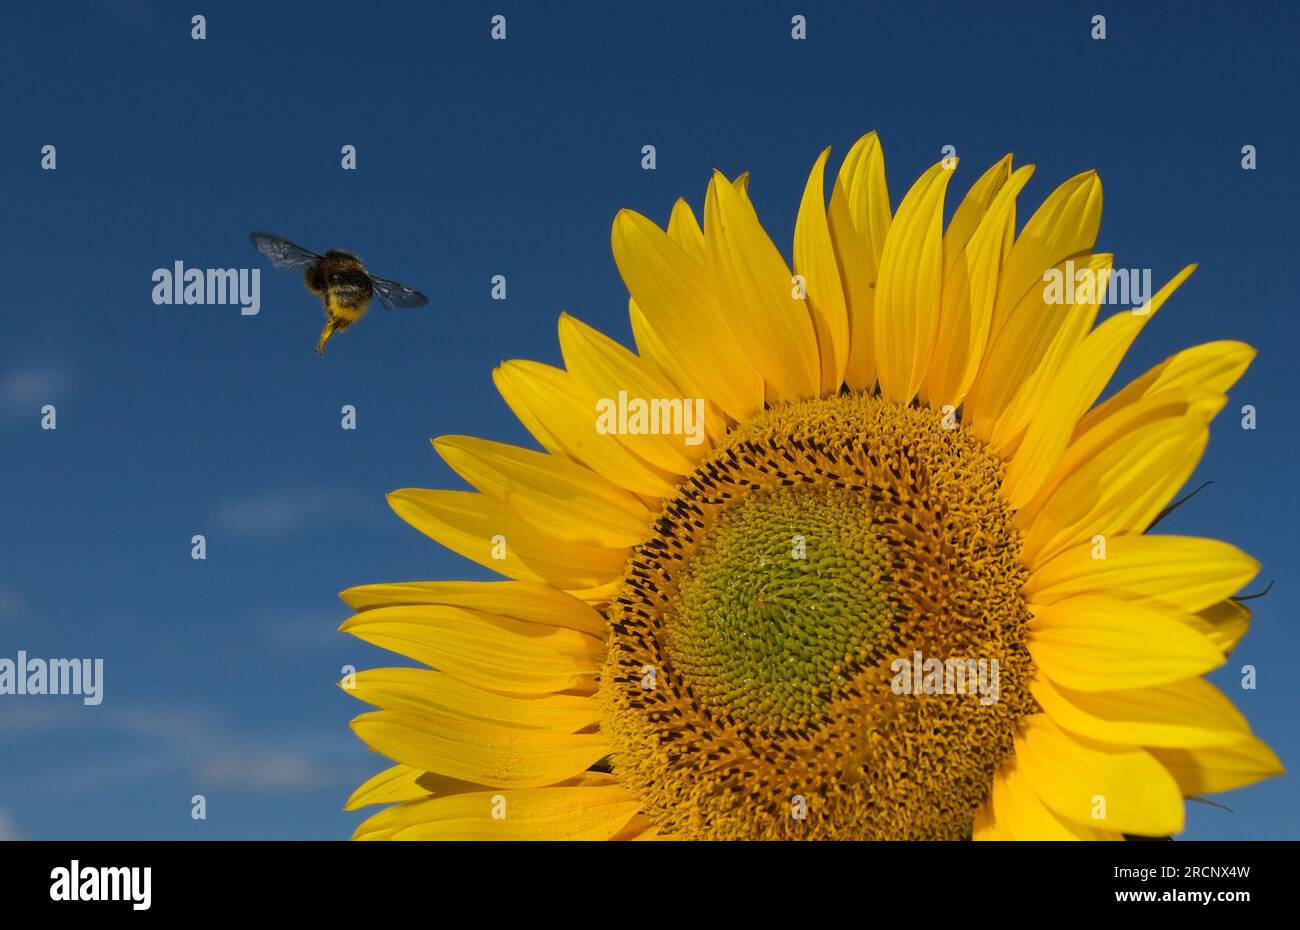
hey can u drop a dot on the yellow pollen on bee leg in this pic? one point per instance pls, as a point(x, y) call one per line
point(325, 335)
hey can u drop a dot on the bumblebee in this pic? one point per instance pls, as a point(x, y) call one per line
point(341, 282)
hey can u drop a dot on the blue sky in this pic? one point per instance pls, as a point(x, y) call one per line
point(479, 158)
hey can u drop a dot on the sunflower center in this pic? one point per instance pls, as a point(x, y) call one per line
point(786, 589)
point(763, 676)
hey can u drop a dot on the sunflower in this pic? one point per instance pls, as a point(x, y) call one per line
point(887, 457)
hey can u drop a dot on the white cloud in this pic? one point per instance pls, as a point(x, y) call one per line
point(157, 741)
point(26, 390)
point(10, 603)
point(258, 770)
point(8, 828)
point(304, 631)
point(281, 512)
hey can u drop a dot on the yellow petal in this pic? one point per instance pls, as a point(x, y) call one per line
point(1094, 643)
point(404, 783)
point(653, 349)
point(1071, 391)
point(484, 650)
point(674, 292)
point(551, 813)
point(1183, 571)
point(1023, 816)
point(1061, 336)
point(1065, 225)
point(986, 827)
point(905, 320)
point(541, 395)
point(969, 287)
point(1018, 350)
point(756, 289)
point(511, 758)
point(523, 600)
point(1210, 368)
point(1177, 405)
point(641, 829)
point(684, 229)
point(859, 222)
point(1212, 769)
point(971, 212)
point(601, 594)
point(485, 532)
point(1120, 490)
point(1223, 624)
point(434, 694)
point(1076, 776)
point(1181, 714)
point(814, 259)
point(603, 371)
point(551, 492)
point(1025, 320)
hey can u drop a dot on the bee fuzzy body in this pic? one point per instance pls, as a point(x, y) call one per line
point(344, 287)
point(343, 284)
point(340, 280)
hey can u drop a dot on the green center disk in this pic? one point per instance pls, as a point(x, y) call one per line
point(788, 588)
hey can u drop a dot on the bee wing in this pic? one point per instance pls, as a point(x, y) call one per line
point(284, 255)
point(396, 296)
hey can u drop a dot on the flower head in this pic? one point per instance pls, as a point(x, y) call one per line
point(845, 549)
